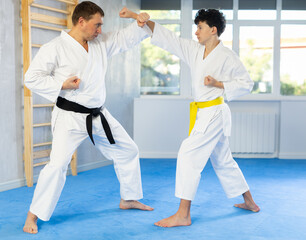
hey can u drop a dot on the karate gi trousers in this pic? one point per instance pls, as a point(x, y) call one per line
point(69, 131)
point(194, 154)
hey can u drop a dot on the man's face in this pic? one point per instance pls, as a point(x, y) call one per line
point(92, 27)
point(204, 32)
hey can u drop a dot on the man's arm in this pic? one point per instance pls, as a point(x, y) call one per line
point(40, 79)
point(142, 18)
point(125, 39)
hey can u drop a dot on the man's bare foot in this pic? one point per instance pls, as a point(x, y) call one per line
point(30, 225)
point(253, 207)
point(132, 204)
point(174, 221)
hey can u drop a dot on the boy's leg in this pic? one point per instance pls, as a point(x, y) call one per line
point(192, 158)
point(180, 218)
point(230, 175)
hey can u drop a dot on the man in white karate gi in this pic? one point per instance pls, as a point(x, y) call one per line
point(70, 70)
point(215, 71)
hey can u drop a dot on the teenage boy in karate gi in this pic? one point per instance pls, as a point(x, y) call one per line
point(215, 71)
point(70, 70)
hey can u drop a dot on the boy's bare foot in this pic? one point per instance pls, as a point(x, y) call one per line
point(174, 221)
point(132, 204)
point(249, 203)
point(30, 225)
point(253, 208)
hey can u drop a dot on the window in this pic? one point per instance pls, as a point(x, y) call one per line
point(258, 31)
point(256, 53)
point(257, 10)
point(160, 70)
point(293, 10)
point(293, 58)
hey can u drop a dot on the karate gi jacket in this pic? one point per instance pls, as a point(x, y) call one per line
point(222, 64)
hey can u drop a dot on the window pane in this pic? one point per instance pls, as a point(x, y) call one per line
point(258, 4)
point(226, 36)
point(256, 14)
point(257, 10)
point(160, 4)
point(160, 70)
point(256, 53)
point(293, 58)
point(293, 15)
point(163, 14)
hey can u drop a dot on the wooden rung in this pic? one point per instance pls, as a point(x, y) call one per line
point(40, 163)
point(43, 105)
point(48, 19)
point(49, 8)
point(67, 1)
point(41, 154)
point(46, 27)
point(41, 124)
point(42, 144)
point(36, 45)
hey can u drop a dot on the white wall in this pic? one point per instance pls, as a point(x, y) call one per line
point(11, 165)
point(161, 124)
point(293, 130)
point(123, 77)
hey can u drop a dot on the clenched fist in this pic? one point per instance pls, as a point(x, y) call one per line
point(71, 83)
point(142, 19)
point(211, 82)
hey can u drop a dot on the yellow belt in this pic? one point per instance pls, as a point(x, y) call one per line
point(194, 109)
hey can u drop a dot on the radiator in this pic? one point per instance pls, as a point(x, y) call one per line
point(253, 132)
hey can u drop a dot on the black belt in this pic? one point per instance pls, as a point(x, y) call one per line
point(93, 112)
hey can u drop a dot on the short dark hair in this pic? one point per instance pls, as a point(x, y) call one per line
point(213, 18)
point(86, 10)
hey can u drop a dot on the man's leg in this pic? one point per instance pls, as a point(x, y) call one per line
point(125, 155)
point(230, 175)
point(192, 158)
point(53, 176)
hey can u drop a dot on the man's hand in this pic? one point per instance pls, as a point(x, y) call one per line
point(71, 83)
point(211, 82)
point(126, 13)
point(142, 19)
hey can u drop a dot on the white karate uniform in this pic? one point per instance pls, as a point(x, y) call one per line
point(209, 137)
point(55, 62)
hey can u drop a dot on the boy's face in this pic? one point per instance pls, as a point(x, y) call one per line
point(204, 32)
point(92, 27)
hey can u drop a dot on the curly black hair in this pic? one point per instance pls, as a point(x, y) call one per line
point(213, 18)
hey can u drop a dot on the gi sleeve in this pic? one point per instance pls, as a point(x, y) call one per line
point(169, 41)
point(125, 39)
point(238, 81)
point(39, 77)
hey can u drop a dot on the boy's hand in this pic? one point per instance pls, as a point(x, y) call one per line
point(142, 19)
point(211, 82)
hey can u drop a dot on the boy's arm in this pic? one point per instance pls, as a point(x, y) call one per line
point(169, 41)
point(238, 82)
